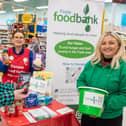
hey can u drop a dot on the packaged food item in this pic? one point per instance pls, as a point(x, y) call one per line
point(44, 75)
point(18, 107)
point(11, 110)
point(5, 57)
point(48, 100)
point(4, 109)
point(45, 100)
point(37, 61)
point(23, 81)
point(31, 100)
point(1, 75)
point(41, 99)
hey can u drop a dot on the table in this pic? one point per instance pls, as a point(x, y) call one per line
point(66, 119)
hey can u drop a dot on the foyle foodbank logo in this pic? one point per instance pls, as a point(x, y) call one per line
point(76, 18)
point(85, 11)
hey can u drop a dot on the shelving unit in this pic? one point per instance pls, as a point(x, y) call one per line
point(43, 43)
point(5, 35)
point(43, 46)
point(123, 36)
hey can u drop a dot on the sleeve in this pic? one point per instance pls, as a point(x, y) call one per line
point(3, 68)
point(31, 69)
point(118, 101)
point(6, 94)
point(6, 87)
point(81, 81)
point(6, 98)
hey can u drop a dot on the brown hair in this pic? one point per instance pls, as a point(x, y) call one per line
point(18, 32)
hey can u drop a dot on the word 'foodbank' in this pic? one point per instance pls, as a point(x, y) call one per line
point(75, 18)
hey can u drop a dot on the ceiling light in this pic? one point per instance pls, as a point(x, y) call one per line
point(41, 7)
point(20, 0)
point(17, 10)
point(108, 1)
point(2, 12)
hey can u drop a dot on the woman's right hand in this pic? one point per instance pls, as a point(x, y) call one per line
point(6, 62)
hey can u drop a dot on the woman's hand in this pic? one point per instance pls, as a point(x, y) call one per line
point(102, 110)
point(95, 116)
point(18, 94)
point(6, 62)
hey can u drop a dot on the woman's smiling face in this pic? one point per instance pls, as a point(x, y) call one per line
point(109, 46)
point(18, 39)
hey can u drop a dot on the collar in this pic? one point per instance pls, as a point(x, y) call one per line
point(105, 63)
point(21, 52)
point(100, 65)
point(109, 65)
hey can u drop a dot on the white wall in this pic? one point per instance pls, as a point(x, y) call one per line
point(108, 14)
point(5, 17)
point(118, 10)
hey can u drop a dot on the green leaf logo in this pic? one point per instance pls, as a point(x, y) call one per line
point(86, 9)
point(87, 28)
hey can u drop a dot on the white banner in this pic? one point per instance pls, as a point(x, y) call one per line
point(73, 30)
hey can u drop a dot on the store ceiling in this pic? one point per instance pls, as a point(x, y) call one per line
point(29, 5)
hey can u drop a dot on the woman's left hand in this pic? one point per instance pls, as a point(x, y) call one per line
point(93, 117)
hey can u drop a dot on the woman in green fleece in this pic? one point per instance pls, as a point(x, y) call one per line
point(107, 70)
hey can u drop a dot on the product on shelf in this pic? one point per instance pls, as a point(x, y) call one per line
point(4, 35)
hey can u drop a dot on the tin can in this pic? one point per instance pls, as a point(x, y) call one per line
point(11, 110)
point(18, 108)
point(4, 109)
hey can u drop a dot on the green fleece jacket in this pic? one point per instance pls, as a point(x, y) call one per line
point(112, 80)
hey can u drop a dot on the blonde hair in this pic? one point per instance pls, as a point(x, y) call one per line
point(119, 55)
